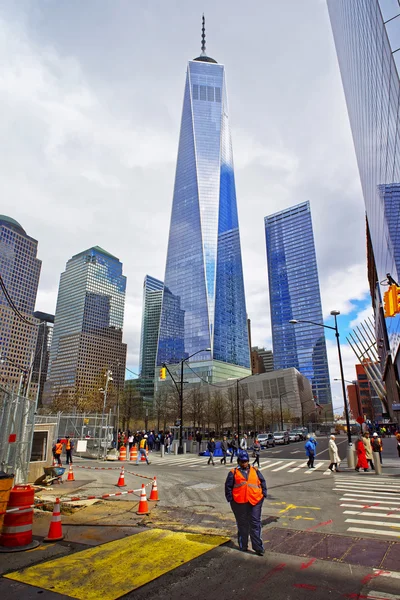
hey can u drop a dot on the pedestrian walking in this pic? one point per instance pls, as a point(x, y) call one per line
point(361, 456)
point(398, 443)
point(224, 448)
point(131, 441)
point(368, 449)
point(310, 452)
point(69, 446)
point(377, 446)
point(243, 442)
point(256, 452)
point(142, 450)
point(168, 443)
point(234, 447)
point(211, 449)
point(333, 454)
point(245, 490)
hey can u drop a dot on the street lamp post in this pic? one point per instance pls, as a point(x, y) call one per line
point(180, 392)
point(237, 401)
point(280, 405)
point(335, 313)
point(104, 392)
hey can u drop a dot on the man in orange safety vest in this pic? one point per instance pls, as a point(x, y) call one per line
point(245, 489)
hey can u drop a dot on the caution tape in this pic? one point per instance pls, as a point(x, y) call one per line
point(113, 469)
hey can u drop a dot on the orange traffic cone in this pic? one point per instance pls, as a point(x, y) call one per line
point(143, 508)
point(154, 491)
point(70, 474)
point(121, 480)
point(55, 530)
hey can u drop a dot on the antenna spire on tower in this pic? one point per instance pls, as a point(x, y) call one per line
point(203, 37)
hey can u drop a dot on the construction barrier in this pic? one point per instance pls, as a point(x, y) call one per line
point(6, 483)
point(17, 527)
point(70, 474)
point(113, 469)
point(143, 508)
point(122, 453)
point(55, 530)
point(133, 453)
point(121, 480)
point(154, 491)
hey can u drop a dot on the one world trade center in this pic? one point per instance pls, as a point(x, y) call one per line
point(203, 303)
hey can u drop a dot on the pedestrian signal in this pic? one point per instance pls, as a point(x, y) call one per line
point(163, 373)
point(391, 301)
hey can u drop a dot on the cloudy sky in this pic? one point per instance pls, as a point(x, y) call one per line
point(90, 104)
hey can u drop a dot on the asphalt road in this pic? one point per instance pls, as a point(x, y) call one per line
point(324, 533)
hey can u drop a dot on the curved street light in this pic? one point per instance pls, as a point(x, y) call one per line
point(335, 313)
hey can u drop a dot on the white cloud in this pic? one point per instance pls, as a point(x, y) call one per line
point(90, 106)
point(364, 314)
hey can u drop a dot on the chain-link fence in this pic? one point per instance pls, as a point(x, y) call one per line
point(17, 416)
point(97, 429)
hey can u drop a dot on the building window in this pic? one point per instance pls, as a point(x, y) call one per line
point(39, 446)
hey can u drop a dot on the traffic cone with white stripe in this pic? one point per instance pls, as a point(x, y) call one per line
point(55, 530)
point(121, 480)
point(70, 474)
point(154, 491)
point(143, 508)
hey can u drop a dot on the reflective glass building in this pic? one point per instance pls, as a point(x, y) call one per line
point(294, 294)
point(20, 271)
point(152, 301)
point(366, 34)
point(87, 336)
point(204, 301)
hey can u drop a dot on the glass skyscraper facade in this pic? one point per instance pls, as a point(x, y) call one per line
point(20, 271)
point(294, 294)
point(204, 300)
point(152, 301)
point(366, 34)
point(87, 336)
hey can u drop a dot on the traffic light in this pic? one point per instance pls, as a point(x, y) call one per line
point(391, 301)
point(163, 373)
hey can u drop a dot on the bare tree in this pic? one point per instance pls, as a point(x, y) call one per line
point(219, 410)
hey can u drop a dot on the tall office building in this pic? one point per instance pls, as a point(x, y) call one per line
point(152, 301)
point(366, 37)
point(294, 294)
point(20, 271)
point(42, 352)
point(262, 360)
point(87, 337)
point(204, 301)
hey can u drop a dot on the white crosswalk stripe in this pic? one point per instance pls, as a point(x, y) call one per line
point(201, 462)
point(379, 501)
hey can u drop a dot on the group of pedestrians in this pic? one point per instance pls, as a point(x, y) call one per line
point(365, 447)
point(232, 447)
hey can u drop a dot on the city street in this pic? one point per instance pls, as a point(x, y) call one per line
point(311, 518)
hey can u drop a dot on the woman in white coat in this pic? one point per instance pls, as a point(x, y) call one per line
point(333, 454)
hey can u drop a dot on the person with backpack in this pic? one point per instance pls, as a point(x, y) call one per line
point(211, 449)
point(310, 452)
point(142, 450)
point(376, 444)
point(57, 450)
point(256, 452)
point(233, 447)
point(224, 448)
point(245, 490)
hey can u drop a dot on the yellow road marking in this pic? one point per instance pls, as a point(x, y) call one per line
point(111, 570)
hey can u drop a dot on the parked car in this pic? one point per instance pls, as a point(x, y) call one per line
point(294, 436)
point(281, 437)
point(266, 440)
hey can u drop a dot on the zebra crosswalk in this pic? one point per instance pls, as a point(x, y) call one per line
point(371, 505)
point(274, 466)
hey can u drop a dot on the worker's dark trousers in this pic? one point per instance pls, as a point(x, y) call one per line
point(248, 520)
